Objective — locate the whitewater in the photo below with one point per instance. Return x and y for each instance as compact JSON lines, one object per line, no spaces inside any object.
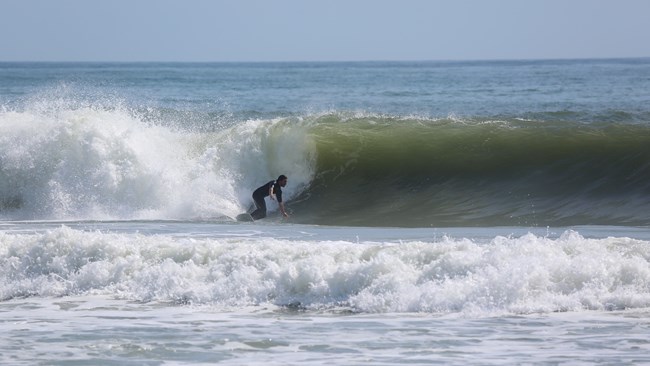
{"x":441,"y":212}
{"x":93,"y":163}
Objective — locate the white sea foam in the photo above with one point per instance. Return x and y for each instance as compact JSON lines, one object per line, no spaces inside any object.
{"x":89,"y":162}
{"x":527,"y":274}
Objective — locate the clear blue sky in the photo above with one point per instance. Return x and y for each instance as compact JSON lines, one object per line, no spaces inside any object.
{"x":326,"y":30}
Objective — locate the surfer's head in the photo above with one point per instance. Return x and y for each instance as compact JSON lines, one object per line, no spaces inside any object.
{"x":282,"y":180}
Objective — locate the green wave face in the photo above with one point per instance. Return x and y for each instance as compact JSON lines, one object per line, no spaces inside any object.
{"x":382,"y":171}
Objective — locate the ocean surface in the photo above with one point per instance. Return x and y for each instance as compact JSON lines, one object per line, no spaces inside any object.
{"x":492,"y":212}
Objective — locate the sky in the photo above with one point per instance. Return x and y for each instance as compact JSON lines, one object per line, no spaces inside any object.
{"x":325,"y":30}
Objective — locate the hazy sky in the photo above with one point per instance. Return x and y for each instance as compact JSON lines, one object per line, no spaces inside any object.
{"x":326,"y":30}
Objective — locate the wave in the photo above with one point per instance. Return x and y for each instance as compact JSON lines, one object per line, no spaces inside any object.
{"x":415,"y":172}
{"x":521,"y":275}
{"x":59,"y":161}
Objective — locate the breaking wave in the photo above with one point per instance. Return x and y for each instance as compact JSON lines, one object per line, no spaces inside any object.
{"x":94,"y":162}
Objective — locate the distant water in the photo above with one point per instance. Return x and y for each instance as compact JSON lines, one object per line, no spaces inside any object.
{"x":442,"y":212}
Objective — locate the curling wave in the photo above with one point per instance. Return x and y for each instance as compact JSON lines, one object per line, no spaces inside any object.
{"x":344,"y":169}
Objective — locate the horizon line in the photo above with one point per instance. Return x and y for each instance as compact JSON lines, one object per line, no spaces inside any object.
{"x":334,"y":61}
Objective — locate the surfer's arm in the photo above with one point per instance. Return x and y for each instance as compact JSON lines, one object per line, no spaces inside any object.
{"x":271,"y":194}
{"x":284,"y":212}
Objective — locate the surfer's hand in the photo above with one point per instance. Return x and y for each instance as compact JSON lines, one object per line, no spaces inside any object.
{"x":285,"y":214}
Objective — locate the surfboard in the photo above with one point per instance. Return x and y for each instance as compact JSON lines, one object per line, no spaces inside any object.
{"x":245,"y":217}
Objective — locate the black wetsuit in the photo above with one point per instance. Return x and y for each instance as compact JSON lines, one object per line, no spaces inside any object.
{"x":258,"y":197}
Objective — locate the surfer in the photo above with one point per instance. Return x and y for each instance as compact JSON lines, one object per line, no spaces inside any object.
{"x":272,"y":189}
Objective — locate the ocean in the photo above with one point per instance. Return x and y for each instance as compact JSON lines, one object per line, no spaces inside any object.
{"x":442,"y":212}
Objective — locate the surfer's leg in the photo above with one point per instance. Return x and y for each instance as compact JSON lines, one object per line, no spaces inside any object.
{"x":260,"y":213}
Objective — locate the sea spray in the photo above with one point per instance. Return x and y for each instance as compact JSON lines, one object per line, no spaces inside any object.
{"x":94,"y":163}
